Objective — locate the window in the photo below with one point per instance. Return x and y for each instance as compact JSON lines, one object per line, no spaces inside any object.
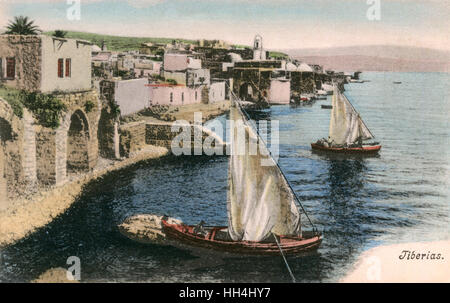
{"x":195,"y":96}
{"x":171,"y":97}
{"x":182,"y":97}
{"x":60,"y":68}
{"x":11,"y":68}
{"x":68,"y":68}
{"x":1,"y":68}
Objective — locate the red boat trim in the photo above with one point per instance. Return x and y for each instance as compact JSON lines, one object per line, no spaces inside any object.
{"x":364,"y":149}
{"x":291,"y":245}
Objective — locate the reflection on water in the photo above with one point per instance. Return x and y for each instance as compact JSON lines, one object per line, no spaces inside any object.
{"x":359,"y":202}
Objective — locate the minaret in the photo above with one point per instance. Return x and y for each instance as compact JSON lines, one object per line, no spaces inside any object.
{"x":258,"y":50}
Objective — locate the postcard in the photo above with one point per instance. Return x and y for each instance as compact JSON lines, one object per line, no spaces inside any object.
{"x":224,"y":141}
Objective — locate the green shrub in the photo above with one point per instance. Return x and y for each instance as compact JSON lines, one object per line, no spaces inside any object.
{"x":89,"y":106}
{"x":46,"y":108}
{"x":12,"y":96}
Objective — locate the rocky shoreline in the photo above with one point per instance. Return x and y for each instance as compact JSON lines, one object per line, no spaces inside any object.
{"x":26,"y":215}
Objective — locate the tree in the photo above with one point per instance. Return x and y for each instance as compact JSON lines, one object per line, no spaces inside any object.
{"x":22,"y":26}
{"x":60,"y":33}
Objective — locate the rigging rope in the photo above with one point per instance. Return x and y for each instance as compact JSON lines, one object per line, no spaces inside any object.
{"x":284,"y":258}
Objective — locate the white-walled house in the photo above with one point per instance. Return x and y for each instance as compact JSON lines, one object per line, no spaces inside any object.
{"x":45,"y":64}
{"x":217,"y":92}
{"x":280,"y":91}
{"x":175,"y":62}
{"x":131,"y":96}
{"x":166,"y":94}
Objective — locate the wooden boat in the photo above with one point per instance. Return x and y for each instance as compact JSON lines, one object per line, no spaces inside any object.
{"x":218,"y":239}
{"x":348,"y":132}
{"x":264,"y":216}
{"x":364,"y":149}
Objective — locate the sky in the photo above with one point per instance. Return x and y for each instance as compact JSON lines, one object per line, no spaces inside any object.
{"x":284,"y":24}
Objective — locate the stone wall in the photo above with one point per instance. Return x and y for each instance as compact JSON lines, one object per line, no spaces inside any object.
{"x":302,"y":83}
{"x":108,"y":134}
{"x":46,"y":156}
{"x":132,"y":138}
{"x":27,"y":51}
{"x":258,"y":78}
{"x":161,"y":134}
{"x":52,"y":167}
{"x":33,"y":156}
{"x":29,"y":151}
{"x":12,"y":177}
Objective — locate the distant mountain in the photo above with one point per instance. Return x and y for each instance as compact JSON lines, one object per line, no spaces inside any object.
{"x":376,"y":58}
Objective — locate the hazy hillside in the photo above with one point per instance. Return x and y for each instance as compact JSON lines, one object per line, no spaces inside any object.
{"x":117,"y":43}
{"x":376,"y":58}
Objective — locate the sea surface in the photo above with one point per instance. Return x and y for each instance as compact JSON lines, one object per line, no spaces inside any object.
{"x":402,"y":195}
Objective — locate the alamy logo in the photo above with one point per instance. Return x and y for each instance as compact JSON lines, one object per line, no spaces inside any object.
{"x":374,"y":11}
{"x":74,"y":10}
{"x":374,"y":269}
{"x":190,"y":139}
{"x":74,"y":271}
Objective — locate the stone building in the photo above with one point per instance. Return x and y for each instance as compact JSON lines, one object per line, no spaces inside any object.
{"x":45,"y":64}
{"x":252,"y":79}
{"x":31,"y":154}
{"x":190,"y":77}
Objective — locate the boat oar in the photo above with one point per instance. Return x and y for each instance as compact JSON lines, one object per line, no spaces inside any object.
{"x":284,"y":258}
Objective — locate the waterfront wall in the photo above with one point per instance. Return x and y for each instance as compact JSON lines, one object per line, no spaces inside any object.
{"x":135,"y":136}
{"x":26,"y":215}
{"x":33,"y":156}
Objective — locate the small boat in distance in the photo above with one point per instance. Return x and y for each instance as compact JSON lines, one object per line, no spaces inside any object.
{"x":264,"y":218}
{"x":326,"y":106}
{"x":397,"y":82}
{"x":347,"y":130}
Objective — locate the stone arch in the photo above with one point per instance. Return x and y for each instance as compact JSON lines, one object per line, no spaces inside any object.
{"x":78,"y":140}
{"x":247,"y":92}
{"x":108,"y":134}
{"x":5,"y":135}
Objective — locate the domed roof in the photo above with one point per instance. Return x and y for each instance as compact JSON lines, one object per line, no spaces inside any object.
{"x":235,"y":57}
{"x":303,"y":67}
{"x":96,"y":48}
{"x":291,"y":67}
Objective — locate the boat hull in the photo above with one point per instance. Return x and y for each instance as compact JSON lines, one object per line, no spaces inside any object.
{"x":183,"y":236}
{"x":354,"y":150}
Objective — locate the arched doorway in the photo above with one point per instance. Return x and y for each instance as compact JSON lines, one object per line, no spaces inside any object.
{"x":246,"y":92}
{"x":78,"y":143}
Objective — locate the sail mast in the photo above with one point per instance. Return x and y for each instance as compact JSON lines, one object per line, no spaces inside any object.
{"x":298,"y":203}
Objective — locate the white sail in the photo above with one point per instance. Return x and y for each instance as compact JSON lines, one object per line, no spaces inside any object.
{"x":260,"y":201}
{"x":346,"y":125}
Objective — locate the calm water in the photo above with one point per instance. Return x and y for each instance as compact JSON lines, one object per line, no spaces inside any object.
{"x":399,"y":196}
